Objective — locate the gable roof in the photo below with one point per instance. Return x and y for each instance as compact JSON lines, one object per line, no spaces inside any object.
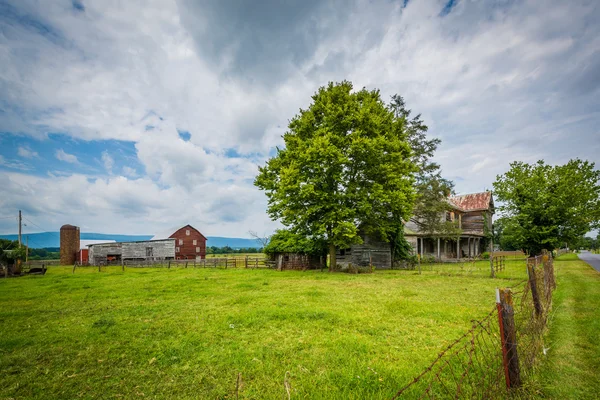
{"x":474,"y":201}
{"x":170,"y":232}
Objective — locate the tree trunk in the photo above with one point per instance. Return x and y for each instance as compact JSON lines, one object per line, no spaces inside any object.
{"x":332,"y":260}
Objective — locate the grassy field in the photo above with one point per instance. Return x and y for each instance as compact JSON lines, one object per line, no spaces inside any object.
{"x":187,"y":333}
{"x":573,"y":364}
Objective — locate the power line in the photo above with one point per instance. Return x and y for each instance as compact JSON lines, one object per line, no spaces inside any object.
{"x":37,"y":226}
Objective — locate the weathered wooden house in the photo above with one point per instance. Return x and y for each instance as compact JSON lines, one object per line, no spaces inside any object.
{"x":190,"y":244}
{"x":473,"y":214}
{"x":372,"y":251}
{"x":147,"y":250}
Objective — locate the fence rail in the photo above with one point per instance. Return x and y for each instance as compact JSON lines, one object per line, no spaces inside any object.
{"x":214,"y":262}
{"x":500,"y":350}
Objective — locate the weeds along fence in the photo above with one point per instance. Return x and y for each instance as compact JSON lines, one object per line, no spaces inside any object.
{"x":214,"y":262}
{"x":498,"y":353}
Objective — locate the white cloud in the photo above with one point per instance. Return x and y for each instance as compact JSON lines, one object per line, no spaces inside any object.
{"x":61,"y":155}
{"x":14,"y":164}
{"x":504,"y":82}
{"x":107,"y":161}
{"x":129,"y":172}
{"x":26,"y":152}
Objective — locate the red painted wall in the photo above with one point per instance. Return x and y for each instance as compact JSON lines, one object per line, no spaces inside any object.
{"x":185,"y":243}
{"x":82,"y":256}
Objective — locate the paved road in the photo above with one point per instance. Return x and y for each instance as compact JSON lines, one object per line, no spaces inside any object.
{"x":592,"y":259}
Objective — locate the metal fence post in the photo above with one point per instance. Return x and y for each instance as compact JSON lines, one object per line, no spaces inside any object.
{"x":508,"y":337}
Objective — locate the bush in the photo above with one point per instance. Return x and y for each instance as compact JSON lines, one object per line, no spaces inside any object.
{"x":485,"y":255}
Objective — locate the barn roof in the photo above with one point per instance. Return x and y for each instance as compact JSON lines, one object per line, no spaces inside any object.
{"x":474,"y":201}
{"x":83,"y":244}
{"x":166,"y":234}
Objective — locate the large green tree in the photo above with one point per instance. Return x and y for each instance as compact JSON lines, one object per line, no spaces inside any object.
{"x":346,"y":166}
{"x":546,"y":206}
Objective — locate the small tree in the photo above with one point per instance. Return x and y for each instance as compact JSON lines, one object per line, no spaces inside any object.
{"x":344,"y":165}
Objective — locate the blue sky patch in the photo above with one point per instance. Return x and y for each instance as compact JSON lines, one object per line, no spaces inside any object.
{"x":60,"y":154}
{"x":184,"y":135}
{"x":448,"y":7}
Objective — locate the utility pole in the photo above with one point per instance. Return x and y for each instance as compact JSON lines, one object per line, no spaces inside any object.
{"x":20,"y":220}
{"x":26,"y":248}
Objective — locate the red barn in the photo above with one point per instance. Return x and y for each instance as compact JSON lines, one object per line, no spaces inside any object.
{"x":190,"y":244}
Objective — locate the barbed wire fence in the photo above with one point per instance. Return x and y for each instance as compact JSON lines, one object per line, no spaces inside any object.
{"x":500,"y":350}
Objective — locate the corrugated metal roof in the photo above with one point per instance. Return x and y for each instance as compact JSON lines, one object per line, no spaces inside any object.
{"x":83,"y":244}
{"x":473,"y":201}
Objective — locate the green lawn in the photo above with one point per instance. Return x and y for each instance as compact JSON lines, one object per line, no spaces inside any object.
{"x":187,"y":333}
{"x":572,"y":369}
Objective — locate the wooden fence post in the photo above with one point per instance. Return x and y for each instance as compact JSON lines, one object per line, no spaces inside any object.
{"x":194,"y":263}
{"x":246,"y":262}
{"x":169,"y":265}
{"x":492,"y":258}
{"x":534,"y":289}
{"x":508,"y":337}
{"x":256,"y":263}
{"x":215,"y":262}
{"x":226,"y":262}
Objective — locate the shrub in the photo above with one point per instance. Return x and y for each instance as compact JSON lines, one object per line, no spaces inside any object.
{"x":485,"y":255}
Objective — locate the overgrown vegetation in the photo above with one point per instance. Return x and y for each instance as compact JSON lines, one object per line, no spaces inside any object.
{"x":285,"y":241}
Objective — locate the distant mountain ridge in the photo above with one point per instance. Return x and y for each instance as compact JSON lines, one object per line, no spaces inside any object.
{"x":52,"y":239}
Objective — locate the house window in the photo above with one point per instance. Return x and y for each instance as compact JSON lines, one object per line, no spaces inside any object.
{"x":149,"y":252}
{"x":187,"y":232}
{"x":195,"y":243}
{"x":180,"y":242}
{"x":197,"y":249}
{"x":176,"y":249}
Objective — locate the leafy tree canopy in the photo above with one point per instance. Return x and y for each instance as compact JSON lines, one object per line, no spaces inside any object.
{"x":285,"y":241}
{"x":545,"y":206}
{"x":346,"y":163}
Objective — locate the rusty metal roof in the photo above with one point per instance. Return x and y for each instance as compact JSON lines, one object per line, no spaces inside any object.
{"x":474,"y":201}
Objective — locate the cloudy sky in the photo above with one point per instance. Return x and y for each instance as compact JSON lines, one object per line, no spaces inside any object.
{"x":132,"y":116}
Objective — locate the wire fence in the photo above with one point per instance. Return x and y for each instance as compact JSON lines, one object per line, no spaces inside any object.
{"x":500,"y":350}
{"x":214,"y":262}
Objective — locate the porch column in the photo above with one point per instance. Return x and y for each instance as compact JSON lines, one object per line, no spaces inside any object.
{"x":439,"y":250}
{"x":477,"y":247}
{"x":421,"y":248}
{"x":469,"y":246}
{"x":458,"y":248}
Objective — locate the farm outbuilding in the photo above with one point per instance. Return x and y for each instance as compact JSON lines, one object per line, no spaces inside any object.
{"x":116,"y":253}
{"x":83,"y":255}
{"x":371,"y":252}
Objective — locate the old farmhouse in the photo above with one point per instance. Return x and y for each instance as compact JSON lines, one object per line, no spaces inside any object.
{"x":472,"y":213}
